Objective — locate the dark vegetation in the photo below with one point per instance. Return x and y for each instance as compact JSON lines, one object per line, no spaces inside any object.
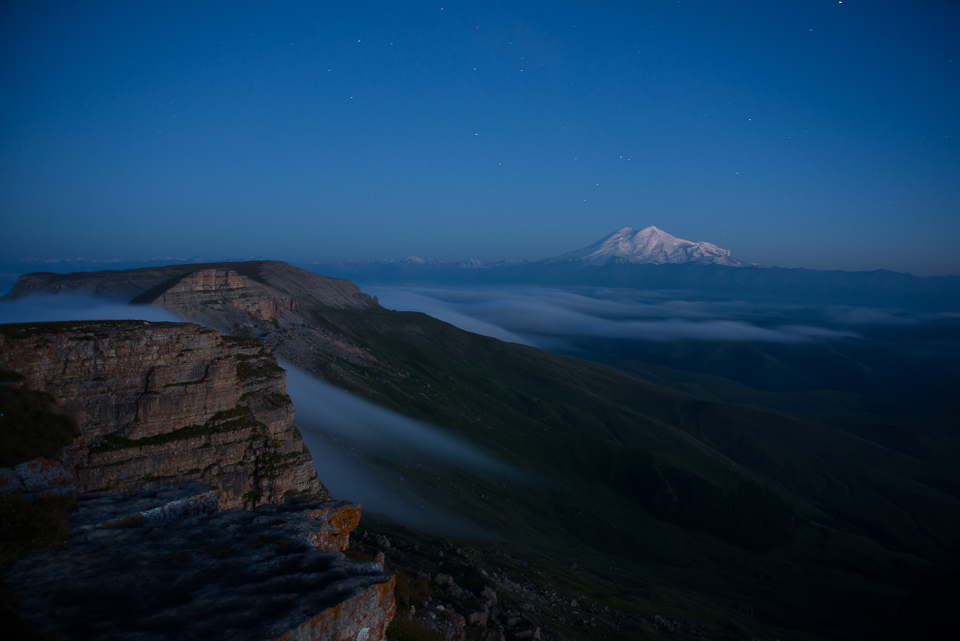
{"x":750,"y":515}
{"x":237,"y":418}
{"x":680,"y":489}
{"x":29,"y":427}
{"x":27,"y":526}
{"x":26,"y":330}
{"x":761,"y":505}
{"x":255,"y":367}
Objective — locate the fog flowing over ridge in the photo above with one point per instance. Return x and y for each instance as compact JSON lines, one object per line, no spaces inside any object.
{"x":380,"y":431}
{"x":351,"y":439}
{"x":355,"y":444}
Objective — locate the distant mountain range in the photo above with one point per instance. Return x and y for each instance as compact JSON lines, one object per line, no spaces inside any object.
{"x":652,"y":259}
{"x":648,"y":259}
{"x":648,"y":246}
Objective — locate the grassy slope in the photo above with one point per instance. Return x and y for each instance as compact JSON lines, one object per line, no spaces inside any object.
{"x":870,"y":520}
{"x":875,"y":509}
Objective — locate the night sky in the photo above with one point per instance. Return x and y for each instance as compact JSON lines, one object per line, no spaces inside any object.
{"x":814,"y":134}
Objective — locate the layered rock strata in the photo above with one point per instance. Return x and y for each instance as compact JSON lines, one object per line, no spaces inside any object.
{"x":160,"y":404}
{"x":281,"y":303}
{"x":232,"y":574}
{"x":293,"y":309}
{"x":145,"y":285}
{"x":228,"y":294}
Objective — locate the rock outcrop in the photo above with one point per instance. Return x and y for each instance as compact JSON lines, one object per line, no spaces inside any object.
{"x":231,"y":295}
{"x":144,"y":286}
{"x":180,"y":428}
{"x":160,"y":404}
{"x":165,"y":564}
{"x":294,"y":310}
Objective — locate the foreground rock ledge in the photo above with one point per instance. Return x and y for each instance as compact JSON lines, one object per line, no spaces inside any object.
{"x":228,"y":575}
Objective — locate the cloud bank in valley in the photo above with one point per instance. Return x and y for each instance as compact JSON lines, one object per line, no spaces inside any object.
{"x":549,"y":317}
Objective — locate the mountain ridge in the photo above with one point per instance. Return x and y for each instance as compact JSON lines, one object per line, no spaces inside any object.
{"x":621,"y":457}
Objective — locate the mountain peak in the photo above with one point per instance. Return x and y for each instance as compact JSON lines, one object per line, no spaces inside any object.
{"x":650,"y":245}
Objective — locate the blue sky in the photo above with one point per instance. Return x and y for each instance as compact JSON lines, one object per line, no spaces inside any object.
{"x":815,"y":134}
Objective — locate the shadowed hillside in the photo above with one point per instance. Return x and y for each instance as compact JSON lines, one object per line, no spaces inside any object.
{"x":744,"y":518}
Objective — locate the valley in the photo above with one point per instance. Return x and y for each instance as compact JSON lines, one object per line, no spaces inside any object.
{"x":752,"y":511}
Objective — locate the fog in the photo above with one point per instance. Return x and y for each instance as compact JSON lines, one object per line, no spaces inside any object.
{"x":549,"y":317}
{"x":356,"y":445}
{"x":379,"y":458}
{"x":358,"y":448}
{"x":77,"y":307}
{"x":379,"y":431}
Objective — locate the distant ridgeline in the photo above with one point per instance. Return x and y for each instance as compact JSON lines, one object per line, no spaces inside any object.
{"x":652,"y":259}
{"x":775,"y":284}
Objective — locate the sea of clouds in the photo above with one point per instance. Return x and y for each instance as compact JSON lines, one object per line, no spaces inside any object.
{"x":550,"y":317}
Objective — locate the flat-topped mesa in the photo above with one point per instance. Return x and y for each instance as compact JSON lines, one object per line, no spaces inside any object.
{"x":147,"y":284}
{"x":227,"y":294}
{"x":297,"y":311}
{"x":159,"y":404}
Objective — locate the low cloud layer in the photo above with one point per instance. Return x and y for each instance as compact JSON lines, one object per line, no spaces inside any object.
{"x":361,"y":450}
{"x":546,"y":316}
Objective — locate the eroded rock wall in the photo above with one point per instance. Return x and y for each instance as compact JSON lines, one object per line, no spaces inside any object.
{"x":159,"y":404}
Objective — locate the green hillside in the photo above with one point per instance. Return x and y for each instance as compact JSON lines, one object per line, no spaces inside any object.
{"x":701,"y":496}
{"x":786,"y":508}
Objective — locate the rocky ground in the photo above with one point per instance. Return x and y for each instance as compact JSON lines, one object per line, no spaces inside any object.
{"x":457,"y":590}
{"x":162,"y":564}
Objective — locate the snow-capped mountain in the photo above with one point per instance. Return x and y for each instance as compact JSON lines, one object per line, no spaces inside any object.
{"x":649,"y":245}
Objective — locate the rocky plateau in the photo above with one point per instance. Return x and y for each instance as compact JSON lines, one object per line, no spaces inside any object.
{"x":286,"y":306}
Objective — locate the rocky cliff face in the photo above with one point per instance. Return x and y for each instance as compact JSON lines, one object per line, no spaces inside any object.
{"x":164,"y":403}
{"x":147,"y":284}
{"x":232,"y":295}
{"x":288,"y":306}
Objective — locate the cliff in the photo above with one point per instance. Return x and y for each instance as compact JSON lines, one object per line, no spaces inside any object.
{"x":177,"y":425}
{"x":296,"y":311}
{"x":159,"y":404}
{"x":146,"y":284}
